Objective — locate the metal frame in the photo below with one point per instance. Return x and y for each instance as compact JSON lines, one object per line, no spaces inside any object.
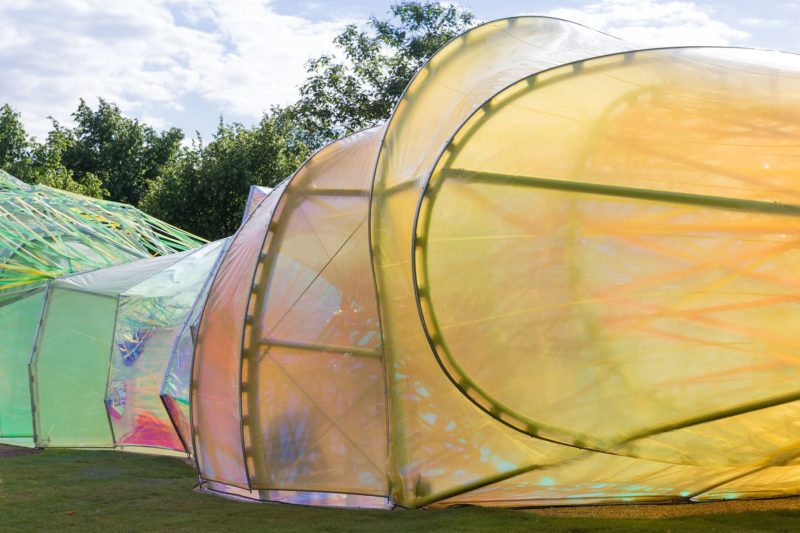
{"x":395,"y":449}
{"x":261,"y":281}
{"x":34,"y":360}
{"x":419,"y":243}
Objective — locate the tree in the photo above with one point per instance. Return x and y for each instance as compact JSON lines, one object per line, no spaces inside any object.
{"x":346,"y":94}
{"x":48,"y":168}
{"x":123,"y":153}
{"x":15,"y":144}
{"x":205,"y":189}
{"x":35,"y":163}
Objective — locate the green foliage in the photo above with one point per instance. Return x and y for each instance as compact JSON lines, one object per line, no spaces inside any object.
{"x":15,"y":144}
{"x":123,"y":153}
{"x":205,"y":189}
{"x":40,"y":164}
{"x":343,"y":95}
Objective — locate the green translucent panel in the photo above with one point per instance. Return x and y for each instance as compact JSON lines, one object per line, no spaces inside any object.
{"x":47,"y":233}
{"x":19,"y":315}
{"x":70,"y":369}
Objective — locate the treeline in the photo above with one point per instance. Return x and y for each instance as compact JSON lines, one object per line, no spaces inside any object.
{"x":202,"y":186}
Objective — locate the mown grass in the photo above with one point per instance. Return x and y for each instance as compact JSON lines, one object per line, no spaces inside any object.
{"x":107,"y":491}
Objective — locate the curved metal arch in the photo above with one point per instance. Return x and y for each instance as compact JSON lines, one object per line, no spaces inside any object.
{"x":193,"y":403}
{"x":261,"y":275}
{"x":279,"y":190}
{"x":484,"y":401}
{"x":459,"y":40}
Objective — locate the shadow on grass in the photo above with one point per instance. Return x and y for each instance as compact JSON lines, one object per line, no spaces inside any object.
{"x":111,"y":491}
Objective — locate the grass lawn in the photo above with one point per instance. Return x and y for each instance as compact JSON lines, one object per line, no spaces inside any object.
{"x":111,"y":491}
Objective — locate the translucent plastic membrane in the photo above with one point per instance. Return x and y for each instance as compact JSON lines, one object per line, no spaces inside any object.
{"x":597,"y":478}
{"x":151,"y":314}
{"x":175,"y":390}
{"x":216,"y":415}
{"x":46,"y":233}
{"x":637,"y":234}
{"x":313,"y":393}
{"x":761,"y":482}
{"x":175,"y":387}
{"x":321,"y":499}
{"x":586,"y":294}
{"x":254,"y":197}
{"x":70,"y":362}
{"x":19,"y":317}
{"x":428,"y":415}
{"x":97,"y":374}
{"x":70,"y":368}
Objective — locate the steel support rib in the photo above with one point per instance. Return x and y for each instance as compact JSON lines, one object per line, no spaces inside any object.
{"x":326,"y":348}
{"x":312,"y":191}
{"x":700,"y":200}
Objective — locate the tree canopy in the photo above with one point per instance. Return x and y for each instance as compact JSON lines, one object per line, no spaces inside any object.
{"x":360,"y":88}
{"x":202,"y":187}
{"x":205,"y":187}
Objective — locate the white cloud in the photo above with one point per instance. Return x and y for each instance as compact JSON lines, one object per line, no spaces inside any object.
{"x":656,"y":23}
{"x":153,"y":57}
{"x":760,"y":22}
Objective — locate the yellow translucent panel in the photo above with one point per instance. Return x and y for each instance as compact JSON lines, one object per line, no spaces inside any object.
{"x":762,"y":482}
{"x":459,"y":78}
{"x":598,"y":478}
{"x":670,"y":119}
{"x":637,"y":233}
{"x":313,"y":380}
{"x":216,"y":392}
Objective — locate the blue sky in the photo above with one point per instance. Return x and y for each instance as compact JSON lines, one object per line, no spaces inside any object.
{"x":186,"y":62}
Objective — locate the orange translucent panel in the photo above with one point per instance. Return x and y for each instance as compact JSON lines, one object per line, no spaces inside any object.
{"x":313,"y":388}
{"x":320,"y":421}
{"x":216,"y":415}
